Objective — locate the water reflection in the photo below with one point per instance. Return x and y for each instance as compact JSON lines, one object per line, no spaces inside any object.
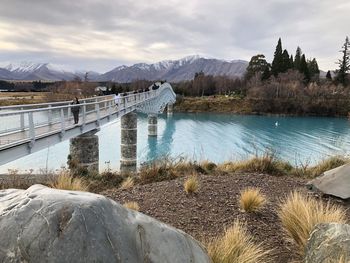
{"x":217,"y":137}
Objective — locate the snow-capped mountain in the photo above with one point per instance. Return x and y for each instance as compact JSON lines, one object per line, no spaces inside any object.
{"x":170,"y":70}
{"x":176,"y":70}
{"x":35,"y":71}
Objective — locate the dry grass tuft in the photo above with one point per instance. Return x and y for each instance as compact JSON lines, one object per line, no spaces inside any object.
{"x":326,"y":165}
{"x":236,"y":246}
{"x":132,"y":205}
{"x":267,"y":163}
{"x":127,"y":183}
{"x":65,"y":181}
{"x":191,"y":184}
{"x":251,"y":200}
{"x":299,"y":215}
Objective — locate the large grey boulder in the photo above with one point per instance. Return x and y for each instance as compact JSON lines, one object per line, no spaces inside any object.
{"x":328,"y":242}
{"x":335,"y":182}
{"x":41,"y":224}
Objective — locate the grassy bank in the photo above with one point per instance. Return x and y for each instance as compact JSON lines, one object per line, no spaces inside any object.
{"x":260,"y":106}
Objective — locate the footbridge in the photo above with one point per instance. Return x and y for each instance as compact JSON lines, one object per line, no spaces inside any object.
{"x":25,"y":129}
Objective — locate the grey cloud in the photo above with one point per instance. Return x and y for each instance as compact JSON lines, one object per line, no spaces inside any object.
{"x":225,"y":29}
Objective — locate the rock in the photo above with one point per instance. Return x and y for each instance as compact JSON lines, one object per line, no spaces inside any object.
{"x":41,"y":224}
{"x":335,"y":182}
{"x":328,"y":242}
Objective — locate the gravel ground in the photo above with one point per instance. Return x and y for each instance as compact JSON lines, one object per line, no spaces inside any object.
{"x":214,"y":207}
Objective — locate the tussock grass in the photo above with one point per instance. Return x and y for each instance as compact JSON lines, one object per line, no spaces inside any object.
{"x":236,"y":246}
{"x":191,"y":185}
{"x":325,"y":165}
{"x":299,"y":214}
{"x":127,"y":183}
{"x":251,"y":200}
{"x":65,"y":181}
{"x":267,"y":163}
{"x":132,"y":205}
{"x":207,"y":165}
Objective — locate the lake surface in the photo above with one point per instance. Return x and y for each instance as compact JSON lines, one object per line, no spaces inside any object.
{"x":215,"y":137}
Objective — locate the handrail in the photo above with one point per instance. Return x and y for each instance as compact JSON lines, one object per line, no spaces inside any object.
{"x":48,"y":103}
{"x":10,"y":113}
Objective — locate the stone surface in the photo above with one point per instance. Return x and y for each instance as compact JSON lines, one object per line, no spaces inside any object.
{"x":334,"y":182}
{"x":128,"y":144}
{"x":152,"y":125}
{"x":48,"y":225}
{"x":84,"y":149}
{"x":328,"y":241}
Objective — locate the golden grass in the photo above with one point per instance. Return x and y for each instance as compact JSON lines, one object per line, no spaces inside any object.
{"x":267,"y":163}
{"x":132,"y":205}
{"x":191,"y":184}
{"x":299,"y":214}
{"x":65,"y":181}
{"x":236,"y":246}
{"x":251,"y":200}
{"x":127,"y":183}
{"x":325,"y":165}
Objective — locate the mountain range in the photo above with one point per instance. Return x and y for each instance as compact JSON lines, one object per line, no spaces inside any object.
{"x":170,"y":70}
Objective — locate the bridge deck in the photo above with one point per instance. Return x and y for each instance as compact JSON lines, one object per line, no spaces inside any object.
{"x":28,"y":128}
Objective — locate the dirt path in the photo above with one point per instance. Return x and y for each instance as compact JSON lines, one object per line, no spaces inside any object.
{"x":215,"y":206}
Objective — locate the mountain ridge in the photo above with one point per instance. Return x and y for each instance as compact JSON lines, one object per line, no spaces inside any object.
{"x":170,"y":70}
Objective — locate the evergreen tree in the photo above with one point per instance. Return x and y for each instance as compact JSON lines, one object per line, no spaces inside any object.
{"x":297,"y":59}
{"x":257,"y":64}
{"x":344,"y":63}
{"x":329,"y":75}
{"x":267,"y":73}
{"x":313,"y":68}
{"x":291,"y":61}
{"x":278,"y":59}
{"x":304,"y":69}
{"x":285,"y":61}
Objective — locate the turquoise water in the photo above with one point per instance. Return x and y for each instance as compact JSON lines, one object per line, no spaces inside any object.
{"x":216,"y":137}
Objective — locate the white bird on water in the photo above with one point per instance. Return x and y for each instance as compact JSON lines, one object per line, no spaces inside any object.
{"x":276,"y":123}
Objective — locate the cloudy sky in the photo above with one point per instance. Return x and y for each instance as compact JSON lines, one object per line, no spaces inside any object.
{"x":102,"y":34}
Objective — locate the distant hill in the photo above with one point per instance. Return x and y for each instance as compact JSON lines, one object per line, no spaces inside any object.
{"x":170,"y":70}
{"x":176,"y":70}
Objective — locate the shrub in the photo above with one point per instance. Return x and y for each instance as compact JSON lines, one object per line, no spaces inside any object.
{"x":132,"y":205}
{"x":267,"y":163}
{"x":191,"y":185}
{"x":127,"y":183}
{"x":326,"y":165}
{"x":251,"y":200}
{"x":299,"y":214}
{"x":65,"y":181}
{"x":159,"y":170}
{"x":236,"y":246}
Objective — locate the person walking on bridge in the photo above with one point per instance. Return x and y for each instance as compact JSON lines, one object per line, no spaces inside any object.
{"x":75,"y":110}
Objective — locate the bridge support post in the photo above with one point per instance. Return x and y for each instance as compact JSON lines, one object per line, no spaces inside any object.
{"x":84,"y":150}
{"x":128,"y":145}
{"x":170,"y":108}
{"x":152,"y":125}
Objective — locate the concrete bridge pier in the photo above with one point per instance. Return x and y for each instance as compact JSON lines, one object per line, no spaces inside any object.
{"x":170,"y":109}
{"x":128,"y":144}
{"x":84,"y":150}
{"x":152,"y":125}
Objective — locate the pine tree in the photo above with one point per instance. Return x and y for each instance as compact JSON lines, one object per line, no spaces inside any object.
{"x":257,"y":64}
{"x":314,"y":71}
{"x":285,"y":61}
{"x":291,"y":61}
{"x":278,"y":59}
{"x":344,"y":63}
{"x":267,"y":73}
{"x":304,"y":69}
{"x":297,"y":59}
{"x":329,"y":75}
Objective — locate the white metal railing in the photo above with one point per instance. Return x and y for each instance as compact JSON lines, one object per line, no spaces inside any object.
{"x":26,"y":123}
